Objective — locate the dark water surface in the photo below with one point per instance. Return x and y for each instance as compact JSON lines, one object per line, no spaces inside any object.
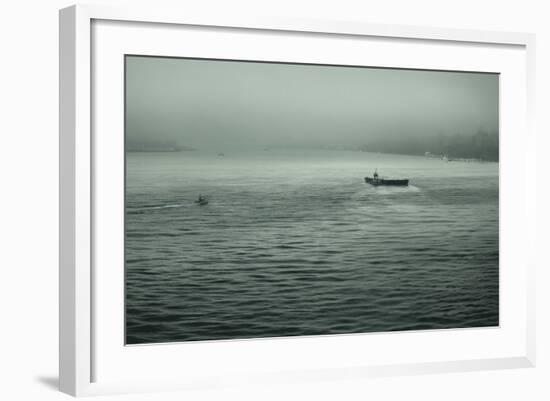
{"x":295,"y":243}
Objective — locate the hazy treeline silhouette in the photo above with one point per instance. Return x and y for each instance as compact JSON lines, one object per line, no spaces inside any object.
{"x":481,"y":145}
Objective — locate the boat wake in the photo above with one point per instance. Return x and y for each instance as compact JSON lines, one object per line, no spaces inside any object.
{"x":389,"y":190}
{"x":369,"y":192}
{"x":146,"y":209}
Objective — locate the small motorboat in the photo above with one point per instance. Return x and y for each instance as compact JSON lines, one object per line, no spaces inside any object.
{"x":202,"y":201}
{"x":376,"y":180}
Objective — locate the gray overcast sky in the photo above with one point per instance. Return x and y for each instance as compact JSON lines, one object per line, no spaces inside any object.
{"x":219,"y":104}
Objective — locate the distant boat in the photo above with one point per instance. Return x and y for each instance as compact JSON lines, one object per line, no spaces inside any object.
{"x":221,"y":154}
{"x":375,"y":180}
{"x":202,"y":201}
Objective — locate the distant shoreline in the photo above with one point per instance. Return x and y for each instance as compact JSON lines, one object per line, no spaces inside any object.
{"x":168,"y":149}
{"x":447,"y":159}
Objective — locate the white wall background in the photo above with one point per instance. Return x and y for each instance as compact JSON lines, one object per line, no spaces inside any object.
{"x":29,"y":185}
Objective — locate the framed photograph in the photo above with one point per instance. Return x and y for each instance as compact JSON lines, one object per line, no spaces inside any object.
{"x":277,"y":200}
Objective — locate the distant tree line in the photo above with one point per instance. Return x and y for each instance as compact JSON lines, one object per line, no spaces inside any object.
{"x":481,"y":145}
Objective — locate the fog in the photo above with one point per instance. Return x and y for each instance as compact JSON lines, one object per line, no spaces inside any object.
{"x":221,"y":105}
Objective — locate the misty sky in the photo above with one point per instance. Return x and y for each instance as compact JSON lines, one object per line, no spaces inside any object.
{"x":223,"y":104}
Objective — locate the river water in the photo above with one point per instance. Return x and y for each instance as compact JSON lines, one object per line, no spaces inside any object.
{"x":296,"y":243}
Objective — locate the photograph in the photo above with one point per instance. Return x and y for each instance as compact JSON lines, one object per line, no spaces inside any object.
{"x":274,"y":199}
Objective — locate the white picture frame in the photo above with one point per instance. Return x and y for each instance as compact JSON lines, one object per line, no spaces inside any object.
{"x":82,"y":343}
